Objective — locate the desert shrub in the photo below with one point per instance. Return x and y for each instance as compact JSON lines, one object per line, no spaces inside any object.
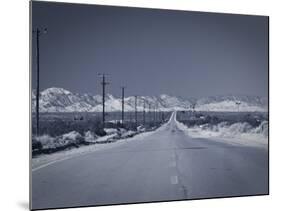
{"x":214,"y":118}
{"x":98,"y":129}
{"x":57,"y":126}
{"x":48,"y":144}
{"x":252,"y":120}
{"x":119,"y":125}
{"x":36,"y":145}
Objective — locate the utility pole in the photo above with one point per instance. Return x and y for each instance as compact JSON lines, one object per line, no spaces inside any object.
{"x":38,"y":33}
{"x":157,"y":115}
{"x":149,"y":112}
{"x":143,"y":112}
{"x":136,"y":112}
{"x":154,"y":114}
{"x":193,"y":105}
{"x":238,"y":104}
{"x":103,"y":83}
{"x":123,"y":91}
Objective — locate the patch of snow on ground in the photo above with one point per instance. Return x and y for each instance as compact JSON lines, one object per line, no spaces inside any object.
{"x":90,"y":136}
{"x":128,"y":133}
{"x":71,"y":137}
{"x":46,"y":141}
{"x":110,"y":131}
{"x":240,"y":133}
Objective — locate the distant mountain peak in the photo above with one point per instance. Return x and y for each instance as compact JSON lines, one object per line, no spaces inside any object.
{"x":55,"y":90}
{"x":56,"y":99}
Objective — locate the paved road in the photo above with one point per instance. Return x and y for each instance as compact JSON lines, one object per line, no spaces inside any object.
{"x":166,"y":165}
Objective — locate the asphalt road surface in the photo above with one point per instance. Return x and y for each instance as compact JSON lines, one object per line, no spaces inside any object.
{"x":165,"y":165}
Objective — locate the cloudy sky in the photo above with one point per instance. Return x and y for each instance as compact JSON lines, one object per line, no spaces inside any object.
{"x":188,"y":54}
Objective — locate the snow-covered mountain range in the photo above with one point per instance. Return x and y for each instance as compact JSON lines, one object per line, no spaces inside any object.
{"x":61,"y":100}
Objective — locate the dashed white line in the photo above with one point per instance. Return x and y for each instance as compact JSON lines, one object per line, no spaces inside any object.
{"x":174,"y":180}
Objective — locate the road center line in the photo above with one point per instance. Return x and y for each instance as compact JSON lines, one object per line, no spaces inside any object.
{"x":174,"y":180}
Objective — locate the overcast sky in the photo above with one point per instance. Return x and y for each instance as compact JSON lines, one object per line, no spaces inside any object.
{"x":151,"y":52}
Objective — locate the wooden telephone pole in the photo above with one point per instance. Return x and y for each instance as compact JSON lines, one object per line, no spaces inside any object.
{"x":123,"y":94}
{"x":136,"y":111}
{"x":103,"y":83}
{"x":143,"y":112}
{"x":38,"y":33}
